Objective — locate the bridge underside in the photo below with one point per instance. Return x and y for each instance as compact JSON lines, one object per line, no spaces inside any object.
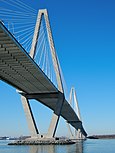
{"x":18,"y":69}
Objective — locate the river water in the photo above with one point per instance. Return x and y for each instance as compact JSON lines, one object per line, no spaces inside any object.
{"x":88,"y":146}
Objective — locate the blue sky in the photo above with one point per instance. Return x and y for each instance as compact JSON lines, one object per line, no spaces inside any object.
{"x":84,"y":36}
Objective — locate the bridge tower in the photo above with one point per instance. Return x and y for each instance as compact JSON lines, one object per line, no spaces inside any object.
{"x":25,"y":102}
{"x":77,"y":133}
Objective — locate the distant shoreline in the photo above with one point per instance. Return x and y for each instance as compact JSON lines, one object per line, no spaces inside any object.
{"x":102,"y":136}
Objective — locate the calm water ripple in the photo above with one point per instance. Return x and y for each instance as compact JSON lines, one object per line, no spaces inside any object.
{"x":88,"y":146}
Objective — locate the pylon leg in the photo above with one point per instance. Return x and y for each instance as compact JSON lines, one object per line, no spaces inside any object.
{"x":29,"y":117}
{"x":56,"y":116}
{"x":70,"y":131}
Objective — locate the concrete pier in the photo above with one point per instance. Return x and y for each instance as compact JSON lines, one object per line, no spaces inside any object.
{"x":43,"y":141}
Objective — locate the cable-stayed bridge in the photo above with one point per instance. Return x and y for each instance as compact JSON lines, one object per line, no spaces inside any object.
{"x":20,"y":69}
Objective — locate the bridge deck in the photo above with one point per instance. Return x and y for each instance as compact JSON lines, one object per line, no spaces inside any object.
{"x":18,"y":69}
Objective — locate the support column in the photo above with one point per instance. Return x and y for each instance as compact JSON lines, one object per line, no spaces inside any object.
{"x":77,"y":133}
{"x":55,"y":117}
{"x":57,"y":112}
{"x":76,"y":103}
{"x":29,"y":117}
{"x":70,"y":131}
{"x":36,"y":34}
{"x":53,"y":53}
{"x":68,"y":125}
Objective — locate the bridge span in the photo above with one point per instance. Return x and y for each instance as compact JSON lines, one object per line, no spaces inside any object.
{"x":19,"y":69}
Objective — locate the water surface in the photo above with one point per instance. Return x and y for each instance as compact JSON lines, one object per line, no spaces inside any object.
{"x":88,"y":146}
